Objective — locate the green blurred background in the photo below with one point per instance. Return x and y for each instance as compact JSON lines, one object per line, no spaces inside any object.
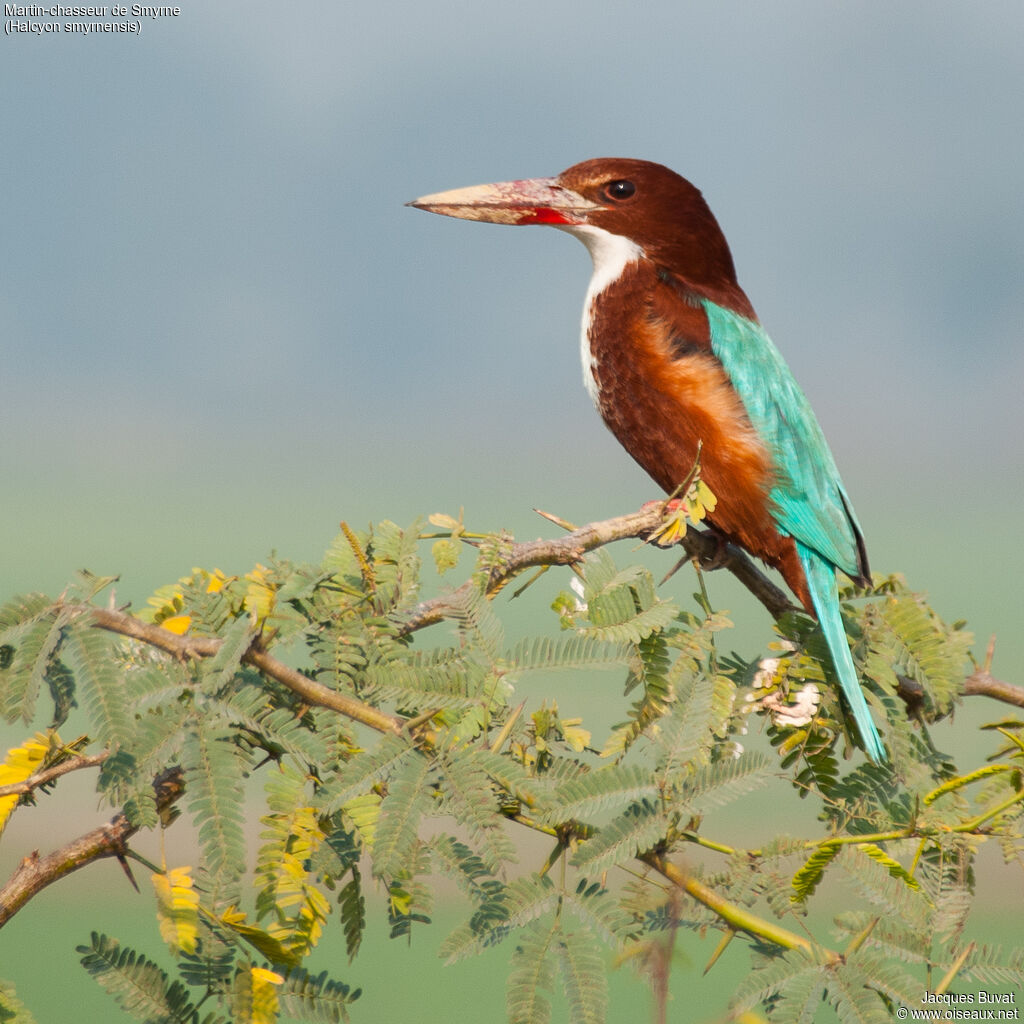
{"x":221,"y":332}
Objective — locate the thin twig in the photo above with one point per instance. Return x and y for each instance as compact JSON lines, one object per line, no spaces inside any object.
{"x":571,"y":548}
{"x":41,"y":778}
{"x":35,"y":873}
{"x":983,"y":683}
{"x":735,"y":916}
{"x":204,"y":647}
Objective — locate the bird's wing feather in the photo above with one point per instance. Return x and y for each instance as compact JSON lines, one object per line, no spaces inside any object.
{"x":808,"y":499}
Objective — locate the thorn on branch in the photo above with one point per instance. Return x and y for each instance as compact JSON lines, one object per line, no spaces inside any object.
{"x":557,"y":520}
{"x":35,"y":873}
{"x":126,"y":867}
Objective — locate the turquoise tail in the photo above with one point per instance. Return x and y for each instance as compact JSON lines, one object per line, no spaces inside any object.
{"x":821,"y":581}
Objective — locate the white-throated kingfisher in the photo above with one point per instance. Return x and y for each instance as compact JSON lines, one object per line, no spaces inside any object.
{"x":678,"y":364}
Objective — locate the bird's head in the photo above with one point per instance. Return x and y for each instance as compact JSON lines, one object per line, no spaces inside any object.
{"x":661,"y":213}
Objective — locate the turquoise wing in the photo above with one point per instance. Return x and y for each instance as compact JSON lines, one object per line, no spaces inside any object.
{"x":809,"y":501}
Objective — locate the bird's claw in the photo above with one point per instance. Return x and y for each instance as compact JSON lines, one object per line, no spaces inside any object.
{"x":719,"y":556}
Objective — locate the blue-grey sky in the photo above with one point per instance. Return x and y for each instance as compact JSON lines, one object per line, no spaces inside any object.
{"x":222,"y":331}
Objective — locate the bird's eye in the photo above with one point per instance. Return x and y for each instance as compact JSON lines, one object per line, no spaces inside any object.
{"x":619,"y":190}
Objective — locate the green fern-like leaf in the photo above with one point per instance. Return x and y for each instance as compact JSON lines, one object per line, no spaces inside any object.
{"x":641,"y":827}
{"x":852,"y":998}
{"x":589,"y":795}
{"x":622,"y":605}
{"x":820,"y":772}
{"x":532,"y":977}
{"x":87,"y":652}
{"x":947,"y":863}
{"x":479,"y":627}
{"x":718,"y":784}
{"x":891,"y":894}
{"x":546,"y":654}
{"x":400,"y":815}
{"x":684,"y":737}
{"x":486,"y":891}
{"x":276,"y":729}
{"x":600,"y":912}
{"x":126,"y":777}
{"x":959,"y":781}
{"x":906,"y":636}
{"x":316,"y":998}
{"x":605,"y":584}
{"x":467,"y":795}
{"x":618,"y":625}
{"x":215,"y":770}
{"x":30,"y":634}
{"x":892,"y":938}
{"x":521,"y":902}
{"x":894,"y":867}
{"x":886,"y":978}
{"x":339,"y":852}
{"x":410,"y":899}
{"x":792,"y":968}
{"x":795,"y":984}
{"x":286,"y":894}
{"x":651,"y":669}
{"x":529,"y":897}
{"x":396,"y":563}
{"x":806,"y":880}
{"x":685,"y":696}
{"x":219,"y":671}
{"x":213,"y":962}
{"x":442,"y":678}
{"x":339,"y":653}
{"x":362,"y":815}
{"x":124,"y":786}
{"x":953,"y":904}
{"x":137,"y":984}
{"x":364,"y":771}
{"x":991,"y":965}
{"x":584,"y":978}
{"x":506,"y":772}
{"x":800,"y":998}
{"x":352,"y":906}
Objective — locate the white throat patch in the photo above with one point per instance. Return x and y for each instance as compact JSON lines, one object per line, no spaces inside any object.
{"x":611,"y":255}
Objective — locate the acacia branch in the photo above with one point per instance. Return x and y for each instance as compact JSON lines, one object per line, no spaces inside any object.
{"x":35,"y":873}
{"x":184,"y":647}
{"x":982,"y":682}
{"x":41,"y":778}
{"x":571,"y":548}
{"x":735,"y":916}
{"x":701,"y":545}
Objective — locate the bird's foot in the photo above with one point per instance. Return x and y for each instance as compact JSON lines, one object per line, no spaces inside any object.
{"x":668,"y":504}
{"x":717,"y":558}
